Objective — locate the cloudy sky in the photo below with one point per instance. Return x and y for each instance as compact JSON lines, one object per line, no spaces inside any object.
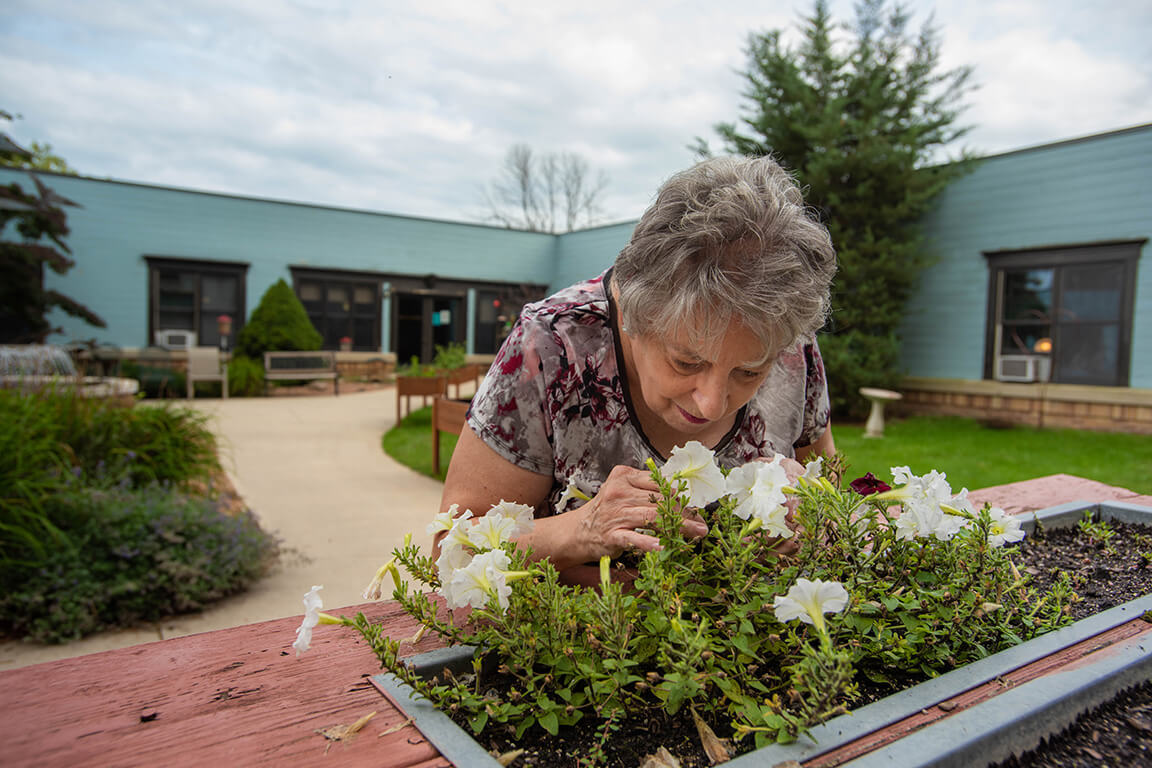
{"x":410,"y":107}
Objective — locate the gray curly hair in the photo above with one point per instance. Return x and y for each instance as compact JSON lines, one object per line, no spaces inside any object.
{"x":727,"y":238}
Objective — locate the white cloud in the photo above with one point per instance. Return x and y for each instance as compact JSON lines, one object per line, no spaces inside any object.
{"x":411,"y":109}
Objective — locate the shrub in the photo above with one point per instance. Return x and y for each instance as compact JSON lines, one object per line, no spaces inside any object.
{"x":245,"y":377}
{"x":279,"y":322}
{"x":135,"y":556}
{"x":450,"y":357}
{"x":155,"y":381}
{"x":50,"y":442}
{"x":853,"y":360}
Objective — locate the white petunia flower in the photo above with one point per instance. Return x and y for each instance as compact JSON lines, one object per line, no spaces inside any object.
{"x":810,"y":600}
{"x":312,"y":606}
{"x":484,"y":578}
{"x":757,"y":488}
{"x":922,"y":499}
{"x":444,"y":520}
{"x":522,"y":514}
{"x":455,"y":549}
{"x":492,"y":530}
{"x":813,"y":469}
{"x":1005,"y":528}
{"x":571,"y":492}
{"x":696,"y":465}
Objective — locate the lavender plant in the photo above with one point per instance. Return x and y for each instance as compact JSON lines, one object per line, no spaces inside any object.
{"x":732,"y":627}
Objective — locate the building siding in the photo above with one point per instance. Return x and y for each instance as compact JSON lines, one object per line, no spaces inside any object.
{"x":1079,"y":192}
{"x":1071,"y":193}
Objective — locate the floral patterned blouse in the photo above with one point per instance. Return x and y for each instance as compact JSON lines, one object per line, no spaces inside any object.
{"x":555,"y":400}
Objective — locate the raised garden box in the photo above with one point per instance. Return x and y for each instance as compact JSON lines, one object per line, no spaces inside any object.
{"x":973,"y":716}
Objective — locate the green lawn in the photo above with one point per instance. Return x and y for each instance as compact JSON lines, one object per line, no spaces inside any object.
{"x":410,"y":443}
{"x":972,"y":455}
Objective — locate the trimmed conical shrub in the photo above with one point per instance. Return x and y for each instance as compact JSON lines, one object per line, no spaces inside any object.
{"x":279,"y":322}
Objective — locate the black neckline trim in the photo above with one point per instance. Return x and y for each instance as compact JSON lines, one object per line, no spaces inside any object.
{"x":622,"y":371}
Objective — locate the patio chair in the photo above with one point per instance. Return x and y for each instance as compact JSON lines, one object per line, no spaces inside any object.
{"x":204,"y":364}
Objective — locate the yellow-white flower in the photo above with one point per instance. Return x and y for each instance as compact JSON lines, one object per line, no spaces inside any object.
{"x":444,"y":520}
{"x":758,"y":488}
{"x":696,"y":465}
{"x":571,"y":492}
{"x":485,"y":577}
{"x":810,"y":600}
{"x":1005,"y":528}
{"x":522,"y":515}
{"x":492,"y":530}
{"x":813,"y":469}
{"x":456,"y":548}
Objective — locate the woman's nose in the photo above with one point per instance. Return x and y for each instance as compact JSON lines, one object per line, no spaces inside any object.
{"x":711,"y":397}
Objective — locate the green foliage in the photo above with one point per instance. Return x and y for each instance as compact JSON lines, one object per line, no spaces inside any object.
{"x":451,"y":357}
{"x":108,"y":516}
{"x":410,"y":443}
{"x":156,"y":381}
{"x":278,"y":323}
{"x":49,"y":441}
{"x":857,"y":359}
{"x":135,"y":555}
{"x":39,"y":221}
{"x":859,"y":122}
{"x":696,"y":632}
{"x":245,"y":377}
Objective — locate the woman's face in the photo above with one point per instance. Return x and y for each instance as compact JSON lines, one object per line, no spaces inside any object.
{"x":692,"y":387}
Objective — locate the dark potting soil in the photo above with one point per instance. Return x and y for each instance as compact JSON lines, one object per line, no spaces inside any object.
{"x":1105,"y":573}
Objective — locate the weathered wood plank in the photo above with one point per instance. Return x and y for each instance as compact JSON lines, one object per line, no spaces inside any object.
{"x":238,"y":696}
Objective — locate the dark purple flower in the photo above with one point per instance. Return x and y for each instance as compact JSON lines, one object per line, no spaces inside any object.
{"x":868,"y":485}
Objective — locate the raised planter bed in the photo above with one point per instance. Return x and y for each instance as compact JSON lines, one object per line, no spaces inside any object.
{"x":973,"y":716}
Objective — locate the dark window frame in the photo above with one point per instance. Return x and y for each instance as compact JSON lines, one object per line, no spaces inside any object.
{"x":1125,"y":253}
{"x":200,"y":268}
{"x":350,"y":279}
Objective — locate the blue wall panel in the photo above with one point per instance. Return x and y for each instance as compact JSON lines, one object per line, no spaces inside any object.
{"x":119,"y":223}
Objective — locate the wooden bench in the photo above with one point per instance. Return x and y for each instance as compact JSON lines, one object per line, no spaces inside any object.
{"x":447,"y":416}
{"x":417,"y":386}
{"x":299,"y":366}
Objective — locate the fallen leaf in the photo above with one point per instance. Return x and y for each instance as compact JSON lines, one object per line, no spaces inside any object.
{"x":662,"y":759}
{"x":509,"y":757}
{"x":714,"y":747}
{"x":788,"y":764}
{"x":344,"y":733}
{"x":395,"y":728}
{"x":947,"y":706}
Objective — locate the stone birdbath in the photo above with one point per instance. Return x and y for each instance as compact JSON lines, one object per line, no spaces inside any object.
{"x":874,"y":427}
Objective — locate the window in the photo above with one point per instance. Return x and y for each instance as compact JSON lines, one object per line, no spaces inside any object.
{"x":188,"y":295}
{"x":1062,"y":315}
{"x":341,"y":305}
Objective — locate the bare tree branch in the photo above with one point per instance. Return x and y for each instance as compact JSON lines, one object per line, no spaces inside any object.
{"x":543,"y":193}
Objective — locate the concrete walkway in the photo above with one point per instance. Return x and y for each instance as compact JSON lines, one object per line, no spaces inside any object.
{"x":313,"y":471}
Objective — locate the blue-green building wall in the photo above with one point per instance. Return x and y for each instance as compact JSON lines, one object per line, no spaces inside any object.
{"x":1071,"y":193}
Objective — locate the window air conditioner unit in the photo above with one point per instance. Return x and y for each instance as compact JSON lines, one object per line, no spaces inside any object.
{"x":1022,"y":368}
{"x":175,"y":339}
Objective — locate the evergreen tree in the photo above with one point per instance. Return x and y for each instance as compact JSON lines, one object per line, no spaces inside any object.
{"x":35,"y":240}
{"x":860,"y":122}
{"x":279,"y":322}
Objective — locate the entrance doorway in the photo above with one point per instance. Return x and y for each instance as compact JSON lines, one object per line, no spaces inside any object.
{"x":425,"y":321}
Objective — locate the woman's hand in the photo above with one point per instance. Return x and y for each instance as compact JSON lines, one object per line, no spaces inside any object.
{"x":607,"y":524}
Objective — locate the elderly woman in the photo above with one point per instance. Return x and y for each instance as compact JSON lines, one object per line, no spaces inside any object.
{"x":703,"y":329}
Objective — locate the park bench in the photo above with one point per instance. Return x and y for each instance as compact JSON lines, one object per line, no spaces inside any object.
{"x":301,"y":366}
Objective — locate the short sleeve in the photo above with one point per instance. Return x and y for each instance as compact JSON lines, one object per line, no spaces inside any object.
{"x":509,"y":411}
